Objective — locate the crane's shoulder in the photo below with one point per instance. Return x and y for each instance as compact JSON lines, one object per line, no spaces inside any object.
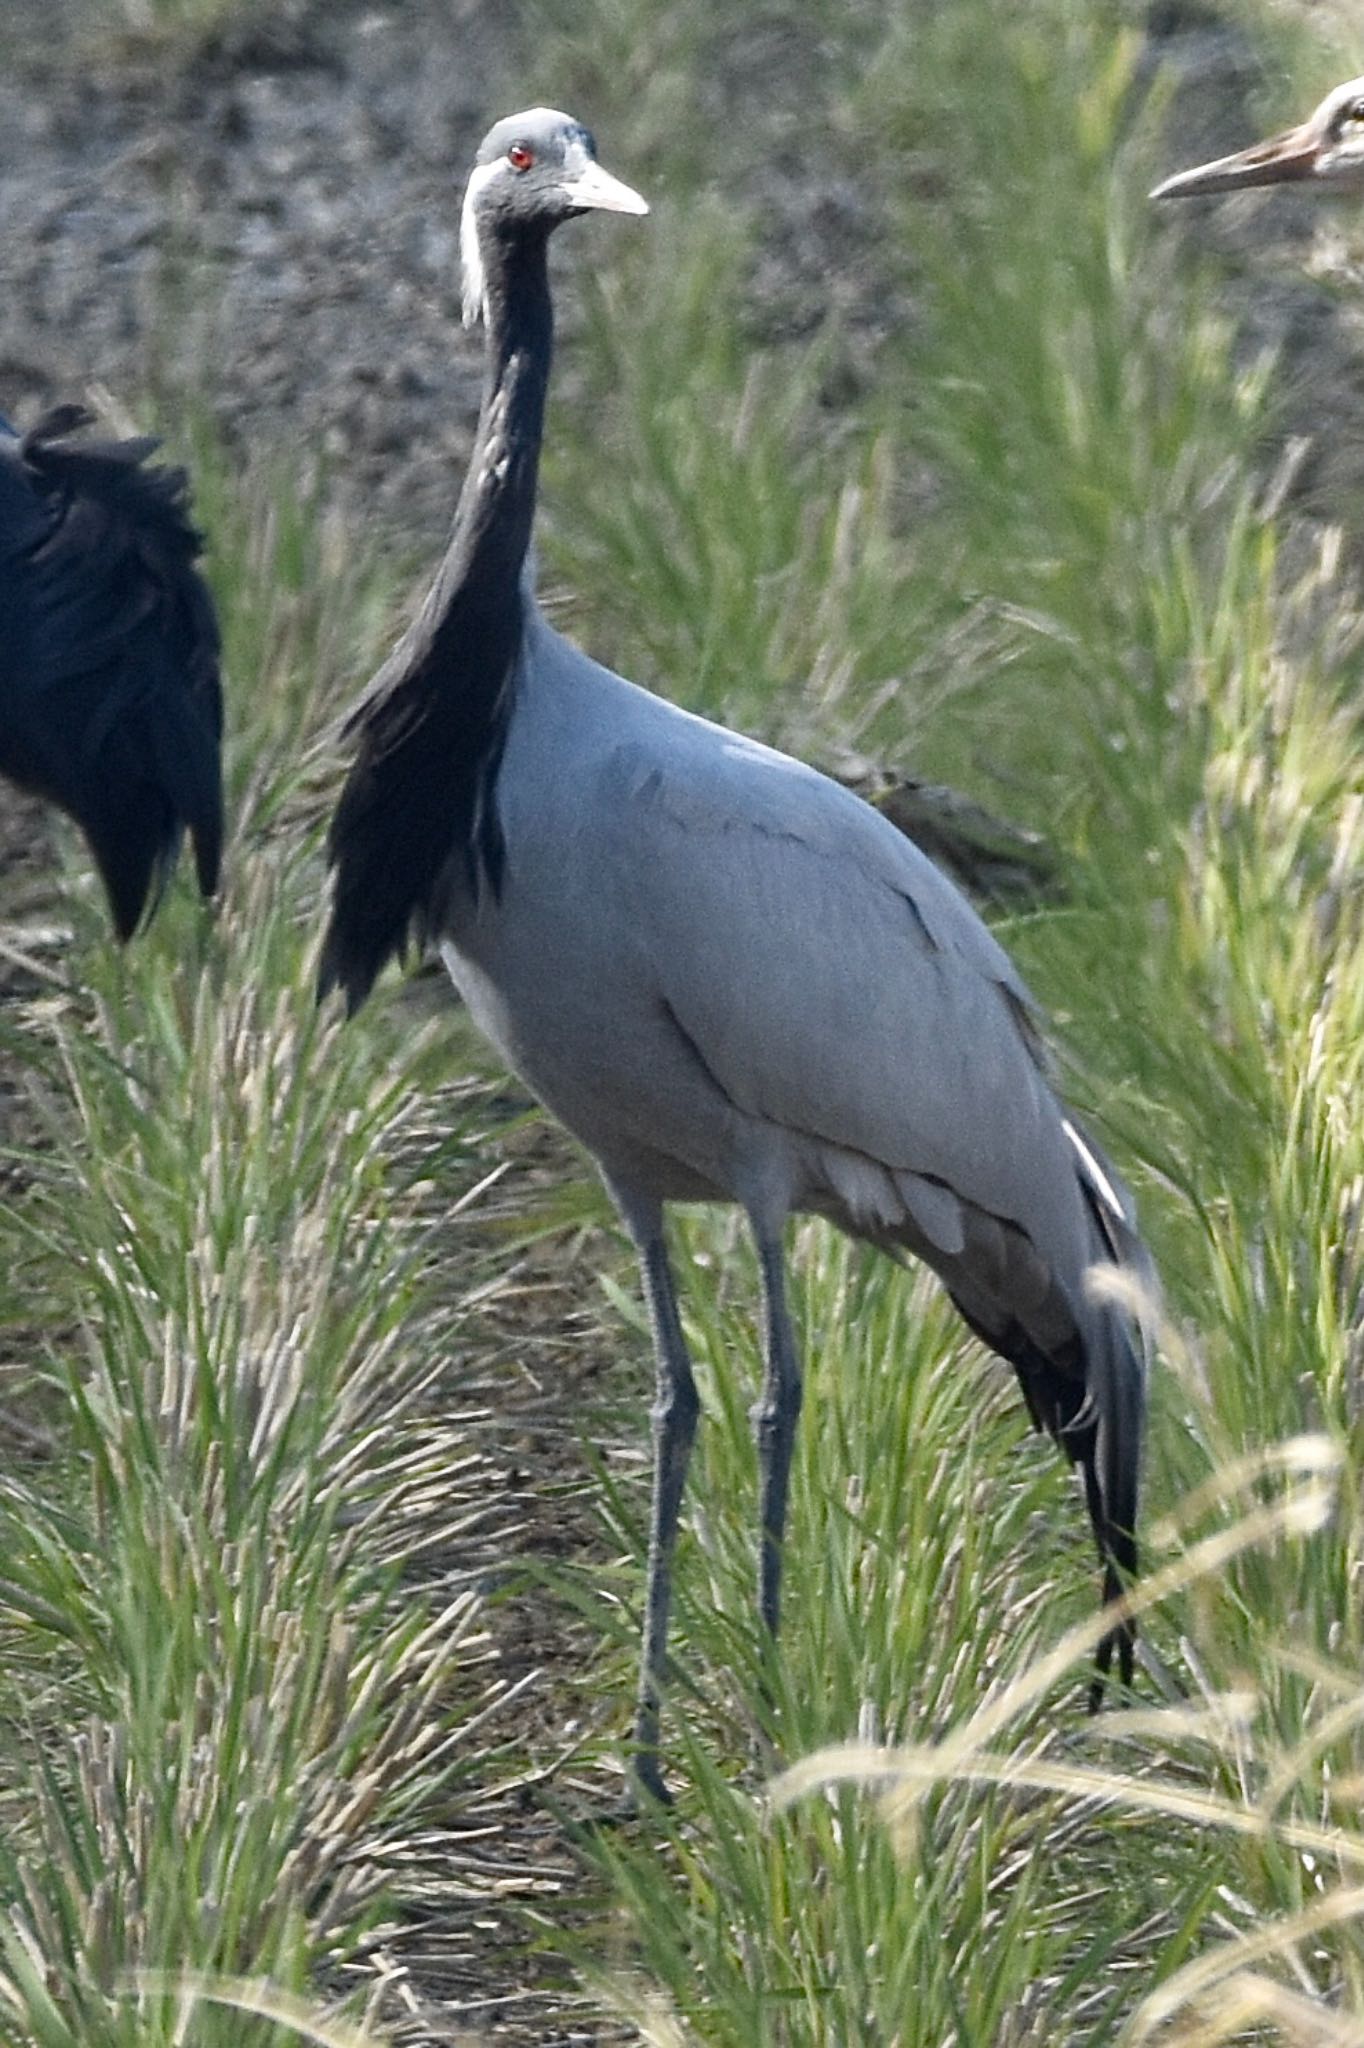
{"x":712,"y":812}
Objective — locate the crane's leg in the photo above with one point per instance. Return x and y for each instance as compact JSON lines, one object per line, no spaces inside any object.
{"x":775,"y":1418}
{"x":674,"y":1419}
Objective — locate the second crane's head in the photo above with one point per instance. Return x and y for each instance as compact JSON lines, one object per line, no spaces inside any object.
{"x":1326,"y":153}
{"x":532,"y":171}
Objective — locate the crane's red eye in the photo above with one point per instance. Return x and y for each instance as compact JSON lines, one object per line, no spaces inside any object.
{"x":520,"y":156}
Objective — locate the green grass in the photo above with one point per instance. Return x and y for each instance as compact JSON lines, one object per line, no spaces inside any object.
{"x":221,"y":1701}
{"x":1016,"y":538}
{"x":1087,"y":620}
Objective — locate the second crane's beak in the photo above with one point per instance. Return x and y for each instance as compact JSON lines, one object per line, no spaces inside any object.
{"x":1295,"y":154}
{"x":589,"y":186}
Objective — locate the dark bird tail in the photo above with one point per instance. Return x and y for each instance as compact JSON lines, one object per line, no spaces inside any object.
{"x":111,"y":705}
{"x":1109,"y":1457}
{"x":1089,"y":1394}
{"x":1105,"y":1437}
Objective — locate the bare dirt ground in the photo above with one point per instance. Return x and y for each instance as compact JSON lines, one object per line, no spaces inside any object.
{"x":311,"y":171}
{"x":271,"y":221}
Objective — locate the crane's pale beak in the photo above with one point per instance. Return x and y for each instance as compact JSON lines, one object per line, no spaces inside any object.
{"x":590,"y":186}
{"x":1297,"y":153}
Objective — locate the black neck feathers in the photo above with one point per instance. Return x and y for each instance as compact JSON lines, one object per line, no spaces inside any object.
{"x":417,"y":818}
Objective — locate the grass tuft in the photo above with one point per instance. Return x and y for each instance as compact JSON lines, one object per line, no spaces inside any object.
{"x":1065,"y":581}
{"x":222,"y":1705}
{"x":1001,"y":511}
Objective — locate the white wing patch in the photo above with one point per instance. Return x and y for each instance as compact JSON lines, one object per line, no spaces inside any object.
{"x":1094,"y":1170}
{"x":470,"y":250}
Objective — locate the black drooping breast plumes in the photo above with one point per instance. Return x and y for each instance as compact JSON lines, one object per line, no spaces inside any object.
{"x":418,"y":814}
{"x":416,"y":840}
{"x":110,"y":700}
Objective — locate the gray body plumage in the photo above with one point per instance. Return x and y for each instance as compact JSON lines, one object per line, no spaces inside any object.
{"x":729,"y":976}
{"x":734,"y":980}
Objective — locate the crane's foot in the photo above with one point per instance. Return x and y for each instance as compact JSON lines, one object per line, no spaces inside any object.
{"x":645,"y":1773}
{"x":645,"y":1796}
{"x":1124,"y":1637}
{"x":646,"y":1786}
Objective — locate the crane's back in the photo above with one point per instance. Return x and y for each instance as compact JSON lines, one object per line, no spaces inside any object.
{"x":705,"y":949}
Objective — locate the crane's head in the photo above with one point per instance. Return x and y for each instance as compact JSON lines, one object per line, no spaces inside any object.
{"x":532,"y":171}
{"x":1326,"y":152}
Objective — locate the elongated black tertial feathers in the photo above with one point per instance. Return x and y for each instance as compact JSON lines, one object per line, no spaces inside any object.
{"x":110,"y":699}
{"x":1090,"y":1395}
{"x":1095,"y":1412}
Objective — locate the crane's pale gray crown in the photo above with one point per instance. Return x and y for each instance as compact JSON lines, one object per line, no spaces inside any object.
{"x":532,"y":171}
{"x":1327,"y":149}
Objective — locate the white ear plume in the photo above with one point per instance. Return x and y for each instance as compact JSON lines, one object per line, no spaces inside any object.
{"x":470,"y":252}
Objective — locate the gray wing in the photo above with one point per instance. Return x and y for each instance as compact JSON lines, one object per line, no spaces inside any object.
{"x":831,"y":979}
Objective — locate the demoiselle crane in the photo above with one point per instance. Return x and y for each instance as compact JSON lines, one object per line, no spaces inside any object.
{"x":1325,"y":152}
{"x":728,"y":976}
{"x":110,"y":702}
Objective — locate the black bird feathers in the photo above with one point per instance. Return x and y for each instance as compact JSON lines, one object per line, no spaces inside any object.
{"x":418,"y":814}
{"x":110,"y":699}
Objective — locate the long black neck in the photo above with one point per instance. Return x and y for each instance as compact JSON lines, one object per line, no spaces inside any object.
{"x":481,"y":572}
{"x":417,"y":829}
